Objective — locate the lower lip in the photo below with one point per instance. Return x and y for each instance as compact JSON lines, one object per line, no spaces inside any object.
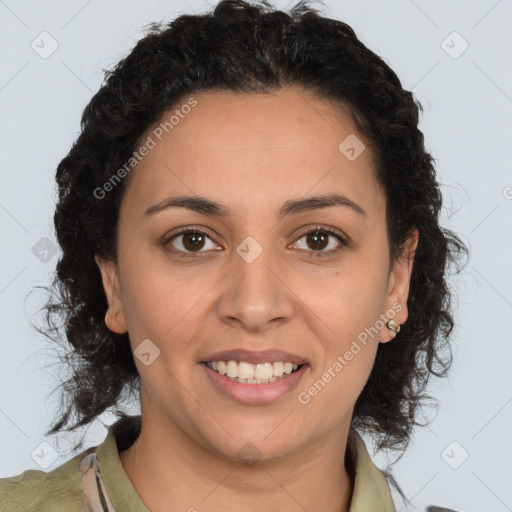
{"x":256,"y":394}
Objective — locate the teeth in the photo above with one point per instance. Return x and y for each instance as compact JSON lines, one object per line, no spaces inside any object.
{"x":222,"y":367}
{"x":278,"y":368}
{"x":232,"y":369}
{"x":252,"y":373}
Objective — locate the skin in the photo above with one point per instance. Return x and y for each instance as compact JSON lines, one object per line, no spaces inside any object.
{"x":251,"y":153}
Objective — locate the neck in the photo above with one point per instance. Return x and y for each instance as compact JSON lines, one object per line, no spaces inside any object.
{"x":312,"y":478}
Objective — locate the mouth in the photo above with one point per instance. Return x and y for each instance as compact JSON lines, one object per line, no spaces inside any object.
{"x":252,"y":390}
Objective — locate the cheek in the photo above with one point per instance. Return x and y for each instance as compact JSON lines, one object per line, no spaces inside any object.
{"x":159,"y":313}
{"x":160,"y":310}
{"x":350,"y":300}
{"x":334,"y":389}
{"x":165,"y":305}
{"x":347,"y":311}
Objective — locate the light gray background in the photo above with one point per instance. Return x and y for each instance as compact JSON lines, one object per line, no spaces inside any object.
{"x":467,"y":127}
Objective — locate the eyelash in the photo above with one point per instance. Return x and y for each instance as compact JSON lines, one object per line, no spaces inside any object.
{"x":318,"y":228}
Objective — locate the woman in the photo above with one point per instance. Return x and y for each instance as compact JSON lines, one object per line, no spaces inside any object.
{"x":250,"y":236}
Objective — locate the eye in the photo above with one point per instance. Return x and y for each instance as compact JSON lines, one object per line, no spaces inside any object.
{"x":194,"y":239}
{"x":318,"y":239}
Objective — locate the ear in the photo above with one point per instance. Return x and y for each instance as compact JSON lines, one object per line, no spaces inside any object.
{"x":114,"y":317}
{"x":398,"y":287}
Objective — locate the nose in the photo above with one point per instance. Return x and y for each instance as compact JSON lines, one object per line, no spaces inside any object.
{"x":256,"y":295}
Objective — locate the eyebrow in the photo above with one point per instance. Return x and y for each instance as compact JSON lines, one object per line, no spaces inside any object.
{"x":211,"y":208}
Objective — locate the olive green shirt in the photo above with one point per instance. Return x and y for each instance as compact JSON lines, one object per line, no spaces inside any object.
{"x":61,"y":489}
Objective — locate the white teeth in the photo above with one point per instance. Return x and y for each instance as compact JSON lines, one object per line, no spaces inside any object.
{"x":232,"y":369}
{"x":278,"y":369}
{"x":222,"y":367}
{"x":252,"y":373}
{"x":262,"y":371}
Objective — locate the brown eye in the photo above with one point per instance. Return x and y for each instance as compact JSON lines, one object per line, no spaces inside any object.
{"x":317,"y":239}
{"x":193,"y":240}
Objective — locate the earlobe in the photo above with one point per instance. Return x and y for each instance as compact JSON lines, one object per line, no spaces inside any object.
{"x":114,"y":317}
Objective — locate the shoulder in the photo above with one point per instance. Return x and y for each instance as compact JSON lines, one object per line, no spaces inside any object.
{"x":40,"y":491}
{"x":372,"y":486}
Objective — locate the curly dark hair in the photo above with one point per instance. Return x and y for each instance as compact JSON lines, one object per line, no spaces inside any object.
{"x":250,"y":48}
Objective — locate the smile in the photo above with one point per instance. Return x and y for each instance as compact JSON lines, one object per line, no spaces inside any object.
{"x":252,"y":391}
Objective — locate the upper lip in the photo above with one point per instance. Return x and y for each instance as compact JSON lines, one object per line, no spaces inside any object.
{"x":264,"y":356}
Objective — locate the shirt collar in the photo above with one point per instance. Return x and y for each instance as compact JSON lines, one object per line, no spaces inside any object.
{"x":120,"y":488}
{"x":371,"y":491}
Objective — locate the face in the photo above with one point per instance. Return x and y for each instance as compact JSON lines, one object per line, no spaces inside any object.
{"x":259,"y":277}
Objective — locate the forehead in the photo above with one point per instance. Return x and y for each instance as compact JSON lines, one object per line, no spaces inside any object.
{"x":263,"y":147}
